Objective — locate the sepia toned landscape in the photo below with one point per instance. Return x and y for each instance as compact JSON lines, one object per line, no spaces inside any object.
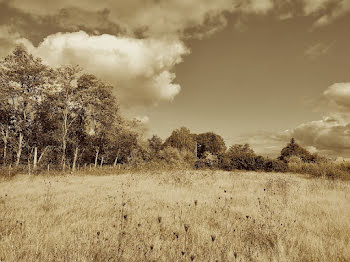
{"x":174,"y":130}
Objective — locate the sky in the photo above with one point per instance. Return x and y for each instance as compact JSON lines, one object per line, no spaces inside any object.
{"x":253,"y":71}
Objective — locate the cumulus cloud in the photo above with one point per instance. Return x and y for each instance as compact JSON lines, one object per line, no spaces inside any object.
{"x":141,"y":69}
{"x":327,"y":10}
{"x":339,"y":95}
{"x":328,"y":136}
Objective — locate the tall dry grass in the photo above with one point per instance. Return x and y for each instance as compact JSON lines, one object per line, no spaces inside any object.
{"x":330,"y":170}
{"x":174,"y":216}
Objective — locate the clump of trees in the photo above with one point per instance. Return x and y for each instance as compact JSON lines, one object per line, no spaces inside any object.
{"x":293,"y":151}
{"x":58,"y":116}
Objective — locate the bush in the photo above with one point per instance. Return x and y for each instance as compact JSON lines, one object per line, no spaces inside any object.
{"x":208,"y":161}
{"x":173,"y":157}
{"x":274,"y":165}
{"x":242,"y":161}
{"x":329,"y":170}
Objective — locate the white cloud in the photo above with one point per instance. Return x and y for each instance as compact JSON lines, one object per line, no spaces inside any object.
{"x":142,"y":119}
{"x":139,"y":68}
{"x":339,"y":94}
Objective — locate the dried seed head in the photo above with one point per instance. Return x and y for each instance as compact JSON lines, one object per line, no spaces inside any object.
{"x":213,"y":238}
{"x":187,"y":227}
{"x":195,"y":202}
{"x":159,"y":220}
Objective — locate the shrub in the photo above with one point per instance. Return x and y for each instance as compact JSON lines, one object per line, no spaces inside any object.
{"x":241,"y":157}
{"x":173,"y":157}
{"x":329,"y":170}
{"x":207,"y":161}
{"x":275,"y":165}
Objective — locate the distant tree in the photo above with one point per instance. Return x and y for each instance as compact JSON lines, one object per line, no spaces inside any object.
{"x":155,"y":144}
{"x":241,"y":157}
{"x":182,"y":139}
{"x":210,"y":142}
{"x":294,"y":149}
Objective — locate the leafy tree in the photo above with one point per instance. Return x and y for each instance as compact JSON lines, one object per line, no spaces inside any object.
{"x":293,"y":149}
{"x":182,"y":139}
{"x":210,"y":142}
{"x":23,"y":79}
{"x":155,"y":144}
{"x":241,"y":157}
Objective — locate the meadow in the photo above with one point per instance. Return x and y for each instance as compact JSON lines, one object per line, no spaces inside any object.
{"x":174,"y":216}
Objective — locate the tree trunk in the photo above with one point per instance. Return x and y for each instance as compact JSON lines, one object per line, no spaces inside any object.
{"x":96,"y":157}
{"x":116,"y":159}
{"x":5,"y":136}
{"x":35,"y":161}
{"x":75,"y":158}
{"x":64,"y":140}
{"x":42,"y":154}
{"x":101,"y":162}
{"x":19,"y":151}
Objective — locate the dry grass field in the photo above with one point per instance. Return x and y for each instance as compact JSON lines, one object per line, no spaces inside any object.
{"x":174,"y":216}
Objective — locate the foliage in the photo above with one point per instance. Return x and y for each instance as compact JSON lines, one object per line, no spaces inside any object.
{"x":182,"y":139}
{"x":210,"y":142}
{"x":241,"y":157}
{"x":58,"y":116}
{"x":208,"y":160}
{"x":293,"y":149}
{"x":275,"y":165}
{"x":155,"y":144}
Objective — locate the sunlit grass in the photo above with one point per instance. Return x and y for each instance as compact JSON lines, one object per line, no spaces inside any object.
{"x":174,"y":216}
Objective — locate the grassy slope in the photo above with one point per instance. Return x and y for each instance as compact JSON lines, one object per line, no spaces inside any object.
{"x":144,"y":217}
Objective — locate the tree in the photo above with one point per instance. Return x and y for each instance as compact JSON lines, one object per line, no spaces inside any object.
{"x":294,"y":149}
{"x":155,"y":144}
{"x":23,"y":79}
{"x":241,"y":157}
{"x":210,"y":142}
{"x":181,"y":139}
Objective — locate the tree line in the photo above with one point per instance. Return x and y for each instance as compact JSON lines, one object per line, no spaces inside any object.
{"x":64,"y":118}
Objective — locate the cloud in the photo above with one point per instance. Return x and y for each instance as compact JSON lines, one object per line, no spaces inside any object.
{"x":331,"y":135}
{"x":327,"y":10}
{"x":339,"y":95}
{"x":141,"y":69}
{"x":142,"y":119}
{"x":328,"y":136}
{"x":317,"y":50}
